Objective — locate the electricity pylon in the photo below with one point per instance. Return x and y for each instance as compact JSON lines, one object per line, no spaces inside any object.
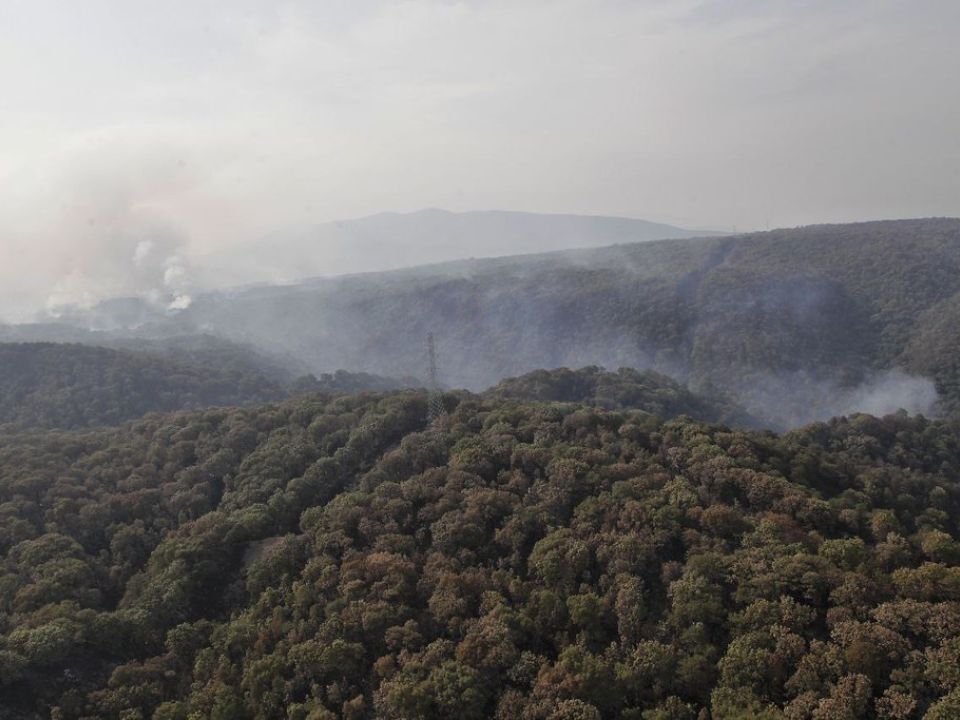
{"x":435,"y":408}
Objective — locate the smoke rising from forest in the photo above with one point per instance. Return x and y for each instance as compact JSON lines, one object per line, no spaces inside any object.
{"x":112,"y":231}
{"x":791,"y":400}
{"x":228,"y":129}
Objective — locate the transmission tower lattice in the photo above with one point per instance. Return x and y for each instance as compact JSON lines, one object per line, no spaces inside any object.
{"x":435,"y":407}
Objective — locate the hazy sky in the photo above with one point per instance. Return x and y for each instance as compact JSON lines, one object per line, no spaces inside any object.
{"x":136,"y":136}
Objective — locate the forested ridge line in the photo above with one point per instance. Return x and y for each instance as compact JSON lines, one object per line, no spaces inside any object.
{"x":334,"y":557}
{"x":71,"y":385}
{"x":794,"y":324}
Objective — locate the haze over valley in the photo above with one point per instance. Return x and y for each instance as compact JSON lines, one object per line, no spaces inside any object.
{"x":795,"y":325}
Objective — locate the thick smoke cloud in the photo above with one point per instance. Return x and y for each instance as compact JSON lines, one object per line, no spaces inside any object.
{"x":110,"y":232}
{"x":888,"y":392}
{"x":136,"y":255}
{"x":789,"y":400}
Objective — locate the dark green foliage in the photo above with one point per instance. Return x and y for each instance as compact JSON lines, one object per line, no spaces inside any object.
{"x":343,"y":382}
{"x":627,"y":388}
{"x":77,"y":386}
{"x":934,"y":349}
{"x":193,"y":349}
{"x":55,"y":385}
{"x":331,"y":557}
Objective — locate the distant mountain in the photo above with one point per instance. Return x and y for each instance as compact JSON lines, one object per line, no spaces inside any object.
{"x":396,"y":240}
{"x":795,"y":325}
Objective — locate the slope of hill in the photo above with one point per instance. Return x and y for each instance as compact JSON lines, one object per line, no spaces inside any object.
{"x":192,"y":348}
{"x":326,"y":558}
{"x":75,"y":386}
{"x":57,"y":385}
{"x":397,"y":240}
{"x":792,"y":324}
{"x":627,"y":388}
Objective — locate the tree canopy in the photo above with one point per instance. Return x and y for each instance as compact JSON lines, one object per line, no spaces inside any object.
{"x":69,"y":385}
{"x":333,"y":557}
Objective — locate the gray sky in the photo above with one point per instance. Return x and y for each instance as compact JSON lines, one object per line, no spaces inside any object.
{"x":137,"y":136}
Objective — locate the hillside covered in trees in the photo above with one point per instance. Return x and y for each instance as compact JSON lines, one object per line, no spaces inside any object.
{"x":192,"y":349}
{"x":792,"y":324}
{"x":75,"y":386}
{"x":626,"y":388}
{"x":335,"y":557}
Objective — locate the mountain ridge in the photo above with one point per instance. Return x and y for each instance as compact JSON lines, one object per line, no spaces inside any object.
{"x":796,"y":325}
{"x":398,"y":240}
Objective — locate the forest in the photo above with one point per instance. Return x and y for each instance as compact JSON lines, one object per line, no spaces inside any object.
{"x":794,"y":325}
{"x":627,"y":388}
{"x":527,"y":555}
{"x":69,"y":385}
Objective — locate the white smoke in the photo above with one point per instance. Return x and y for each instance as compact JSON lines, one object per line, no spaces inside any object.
{"x":888,"y":392}
{"x":180,"y":302}
{"x":100,"y":223}
{"x":71,"y":290}
{"x":793,"y":399}
{"x":152,"y":268}
{"x":176,"y":279}
{"x":142,"y":252}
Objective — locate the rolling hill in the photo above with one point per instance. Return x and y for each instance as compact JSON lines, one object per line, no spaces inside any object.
{"x":337,"y":558}
{"x":63,"y":385}
{"x":58,"y":385}
{"x":626,"y":389}
{"x":389,"y":241}
{"x":794,"y":325}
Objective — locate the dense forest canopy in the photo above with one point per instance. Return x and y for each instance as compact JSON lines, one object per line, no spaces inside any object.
{"x":627,"y":388}
{"x":193,"y":349}
{"x":75,"y":386}
{"x":794,"y":324}
{"x":336,"y":557}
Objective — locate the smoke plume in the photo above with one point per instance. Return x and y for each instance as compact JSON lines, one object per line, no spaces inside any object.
{"x":102,"y":226}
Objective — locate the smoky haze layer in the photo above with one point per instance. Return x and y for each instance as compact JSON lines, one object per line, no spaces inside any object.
{"x":121,"y":249}
{"x":389,"y":241}
{"x":140,"y":141}
{"x":795,"y":325}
